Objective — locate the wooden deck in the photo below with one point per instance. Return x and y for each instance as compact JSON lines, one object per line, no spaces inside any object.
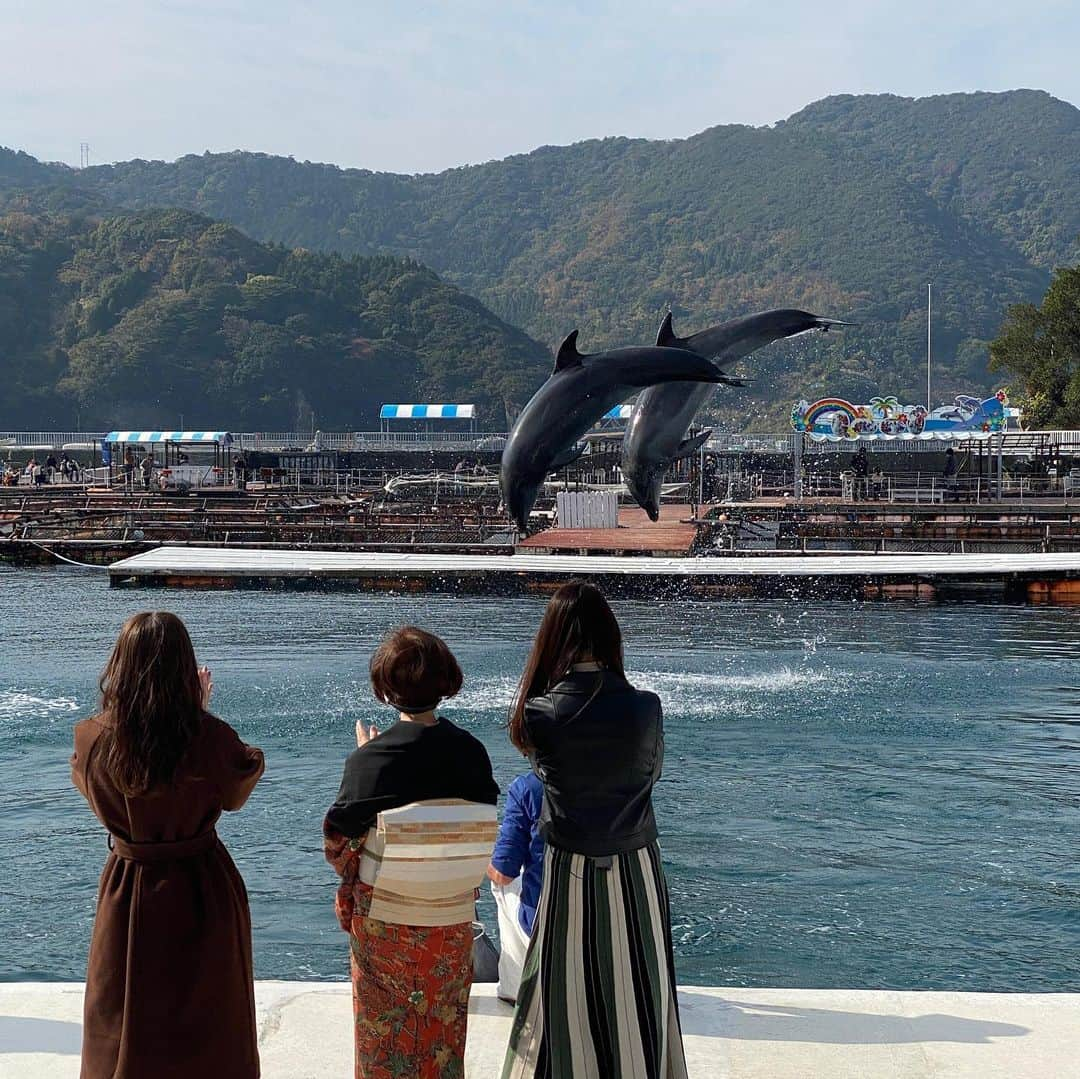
{"x":673,"y":535}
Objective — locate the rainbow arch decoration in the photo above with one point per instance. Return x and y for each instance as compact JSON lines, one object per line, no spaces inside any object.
{"x":829,"y":405}
{"x":834,"y":416}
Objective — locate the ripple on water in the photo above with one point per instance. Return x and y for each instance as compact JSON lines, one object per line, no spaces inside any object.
{"x":856,"y":795}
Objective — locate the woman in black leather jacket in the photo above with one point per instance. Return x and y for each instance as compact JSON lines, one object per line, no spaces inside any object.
{"x":597,"y":997}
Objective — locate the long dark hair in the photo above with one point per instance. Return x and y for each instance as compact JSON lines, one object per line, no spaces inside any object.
{"x":152,"y":700}
{"x":577,"y":623}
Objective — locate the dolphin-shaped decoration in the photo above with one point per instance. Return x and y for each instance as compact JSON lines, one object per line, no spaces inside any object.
{"x":580,"y":390}
{"x":654,"y":436}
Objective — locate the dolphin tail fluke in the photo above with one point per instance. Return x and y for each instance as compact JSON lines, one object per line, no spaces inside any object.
{"x":568,"y":456}
{"x":689,"y":446}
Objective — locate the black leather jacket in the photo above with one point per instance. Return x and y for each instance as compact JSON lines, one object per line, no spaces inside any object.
{"x":598,"y":748}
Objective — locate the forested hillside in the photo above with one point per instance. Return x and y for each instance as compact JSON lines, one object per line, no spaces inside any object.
{"x":137,"y":319}
{"x":848,"y":208}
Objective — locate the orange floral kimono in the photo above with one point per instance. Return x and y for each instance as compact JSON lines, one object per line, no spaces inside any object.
{"x":410,"y":983}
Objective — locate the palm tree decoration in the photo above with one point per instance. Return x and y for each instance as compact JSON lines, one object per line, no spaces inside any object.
{"x":884,"y":406}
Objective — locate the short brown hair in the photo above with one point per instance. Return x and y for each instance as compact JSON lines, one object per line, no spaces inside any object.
{"x":413,"y":670}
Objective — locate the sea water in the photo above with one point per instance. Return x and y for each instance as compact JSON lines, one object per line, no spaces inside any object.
{"x":861,"y":795}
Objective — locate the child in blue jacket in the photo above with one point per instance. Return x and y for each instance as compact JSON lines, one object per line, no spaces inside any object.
{"x":517,"y":873}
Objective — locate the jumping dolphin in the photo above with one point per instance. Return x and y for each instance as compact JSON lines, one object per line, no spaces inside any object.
{"x":654,"y":437}
{"x":580,"y":390}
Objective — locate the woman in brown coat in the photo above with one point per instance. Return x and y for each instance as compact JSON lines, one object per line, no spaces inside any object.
{"x":169,"y":989}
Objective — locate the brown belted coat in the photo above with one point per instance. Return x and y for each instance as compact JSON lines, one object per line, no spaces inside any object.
{"x":169,"y":989}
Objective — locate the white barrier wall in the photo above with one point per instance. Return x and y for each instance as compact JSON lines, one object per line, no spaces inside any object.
{"x":587,"y":509}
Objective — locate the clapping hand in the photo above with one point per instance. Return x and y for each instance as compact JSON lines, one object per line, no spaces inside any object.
{"x":365,"y":734}
{"x":206,"y":683}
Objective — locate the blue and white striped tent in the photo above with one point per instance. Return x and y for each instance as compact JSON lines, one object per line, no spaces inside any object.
{"x":221,"y":438}
{"x":619,"y":412}
{"x":427,"y":412}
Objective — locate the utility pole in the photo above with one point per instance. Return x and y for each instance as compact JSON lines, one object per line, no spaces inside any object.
{"x":929,"y":402}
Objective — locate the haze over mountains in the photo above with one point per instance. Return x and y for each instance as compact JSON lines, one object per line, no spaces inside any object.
{"x":848,"y":209}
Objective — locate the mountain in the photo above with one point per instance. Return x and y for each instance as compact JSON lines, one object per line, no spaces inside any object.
{"x":848,"y":208}
{"x":138,"y":318}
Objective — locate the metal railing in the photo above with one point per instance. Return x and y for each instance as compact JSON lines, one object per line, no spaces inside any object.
{"x":55,"y":440}
{"x":721,"y":442}
{"x":370,"y":440}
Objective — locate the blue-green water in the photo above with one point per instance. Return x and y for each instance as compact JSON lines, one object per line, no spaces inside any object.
{"x":863,"y":795}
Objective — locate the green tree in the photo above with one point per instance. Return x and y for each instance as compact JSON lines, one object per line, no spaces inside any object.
{"x":1040,"y":344}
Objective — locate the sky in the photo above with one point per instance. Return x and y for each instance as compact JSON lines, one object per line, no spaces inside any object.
{"x":421,"y":87}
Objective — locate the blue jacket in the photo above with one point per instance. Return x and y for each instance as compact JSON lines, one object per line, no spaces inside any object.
{"x":520,"y":847}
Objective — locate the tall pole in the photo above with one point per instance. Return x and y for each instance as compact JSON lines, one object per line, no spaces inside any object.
{"x":929,"y":403}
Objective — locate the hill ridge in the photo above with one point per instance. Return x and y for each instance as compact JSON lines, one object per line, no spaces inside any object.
{"x":848,"y":207}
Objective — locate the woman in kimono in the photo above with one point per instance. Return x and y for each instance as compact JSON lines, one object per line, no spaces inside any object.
{"x":597,"y":997}
{"x":410,"y":983}
{"x":169,"y":990}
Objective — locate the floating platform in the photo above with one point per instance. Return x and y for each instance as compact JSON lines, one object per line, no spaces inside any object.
{"x":674,"y":535}
{"x":305,"y":1032}
{"x":920,"y":575}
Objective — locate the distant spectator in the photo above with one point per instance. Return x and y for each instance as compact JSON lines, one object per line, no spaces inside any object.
{"x":35,"y":473}
{"x":50,"y":468}
{"x":146,"y":467}
{"x":66,"y":467}
{"x":952,"y":480}
{"x":128,"y":469}
{"x":240,"y":471}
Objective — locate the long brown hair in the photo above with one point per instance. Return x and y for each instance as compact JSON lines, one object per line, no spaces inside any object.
{"x":577,"y":623}
{"x":151,"y":699}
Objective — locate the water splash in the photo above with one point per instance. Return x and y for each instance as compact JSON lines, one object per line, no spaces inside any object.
{"x":18,"y":705}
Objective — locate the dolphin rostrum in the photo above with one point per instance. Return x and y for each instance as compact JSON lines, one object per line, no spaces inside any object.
{"x":580,"y":390}
{"x":654,"y":436}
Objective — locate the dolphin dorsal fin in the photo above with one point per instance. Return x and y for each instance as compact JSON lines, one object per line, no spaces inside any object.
{"x":665,"y":336}
{"x":568,"y":355}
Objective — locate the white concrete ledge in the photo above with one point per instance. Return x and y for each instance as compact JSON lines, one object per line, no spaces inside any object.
{"x":305,"y":1032}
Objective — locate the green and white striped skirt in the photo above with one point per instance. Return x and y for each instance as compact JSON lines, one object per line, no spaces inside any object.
{"x":597,"y":997}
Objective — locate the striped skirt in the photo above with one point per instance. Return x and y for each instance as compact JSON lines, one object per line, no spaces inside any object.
{"x":597,"y":997}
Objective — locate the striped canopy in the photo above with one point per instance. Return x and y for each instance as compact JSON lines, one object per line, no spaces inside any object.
{"x":427,"y":412}
{"x":619,"y":412}
{"x":220,"y":437}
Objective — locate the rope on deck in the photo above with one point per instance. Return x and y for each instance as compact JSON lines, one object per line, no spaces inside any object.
{"x":64,"y":558}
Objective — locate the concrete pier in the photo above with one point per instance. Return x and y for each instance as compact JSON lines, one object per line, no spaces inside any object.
{"x":305,"y":1032}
